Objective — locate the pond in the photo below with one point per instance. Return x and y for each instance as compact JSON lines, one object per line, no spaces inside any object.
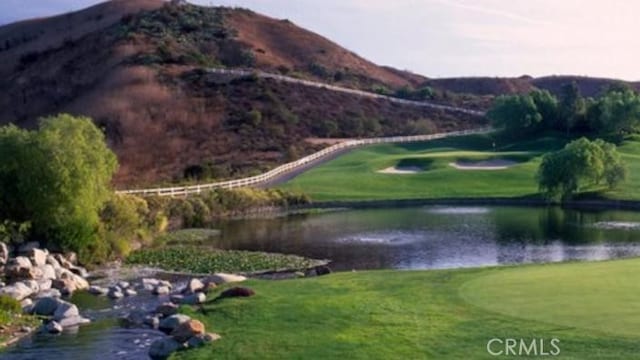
{"x":440,"y":236}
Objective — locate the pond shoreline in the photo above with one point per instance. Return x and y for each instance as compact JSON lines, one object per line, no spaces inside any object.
{"x":488,"y":201}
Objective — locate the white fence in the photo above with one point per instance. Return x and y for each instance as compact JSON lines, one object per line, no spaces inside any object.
{"x":240,"y":72}
{"x":286,"y":168}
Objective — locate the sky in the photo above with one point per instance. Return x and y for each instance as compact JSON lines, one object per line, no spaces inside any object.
{"x":450,"y":38}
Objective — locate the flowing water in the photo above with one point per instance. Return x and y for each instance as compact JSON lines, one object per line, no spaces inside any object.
{"x":404,"y":238}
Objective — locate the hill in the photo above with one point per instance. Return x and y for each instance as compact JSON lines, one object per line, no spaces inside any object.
{"x":136,"y":67}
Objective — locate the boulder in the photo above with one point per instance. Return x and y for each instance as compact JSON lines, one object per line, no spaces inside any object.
{"x":26,"y":304}
{"x":123,"y":284}
{"x":46,"y":306}
{"x":97,"y":290}
{"x":163,"y":348}
{"x":79,"y":282}
{"x":79,"y":271}
{"x":134,"y":318}
{"x":115,"y":293}
{"x":194,"y":285}
{"x":130,"y":292}
{"x":187,"y":330}
{"x":201,"y":339}
{"x":152,"y":321}
{"x":16,"y":291}
{"x":51,"y":260}
{"x":44,"y":285}
{"x":194,"y":299}
{"x":37,"y":256}
{"x":66,"y":286}
{"x":237,"y":292}
{"x":62,"y":261}
{"x":222,"y":278}
{"x":19,"y":267}
{"x":169,"y":324}
{"x":33,"y":285}
{"x":4,"y":253}
{"x":149,"y":284}
{"x":72,"y":321}
{"x":72,"y":257}
{"x":48,"y":271}
{"x":167,"y":309}
{"x":161,"y":290}
{"x":65,"y":310}
{"x":49,"y":293}
{"x":53,"y":327}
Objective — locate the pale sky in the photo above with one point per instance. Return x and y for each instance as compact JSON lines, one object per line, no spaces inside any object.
{"x":448,"y":38}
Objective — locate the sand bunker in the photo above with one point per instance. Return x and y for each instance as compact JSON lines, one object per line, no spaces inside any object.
{"x":494,"y":164}
{"x":401,"y":170}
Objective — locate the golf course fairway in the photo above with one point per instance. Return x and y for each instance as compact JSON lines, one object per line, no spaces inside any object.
{"x":591,"y":308}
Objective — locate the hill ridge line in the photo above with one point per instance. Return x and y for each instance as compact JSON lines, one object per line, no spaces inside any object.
{"x":282,"y":170}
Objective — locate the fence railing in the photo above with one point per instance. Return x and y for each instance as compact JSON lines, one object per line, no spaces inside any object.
{"x":286,"y":168}
{"x":284,"y":78}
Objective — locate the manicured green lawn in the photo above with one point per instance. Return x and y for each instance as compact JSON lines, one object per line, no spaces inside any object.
{"x":591,"y":308}
{"x":355,"y":175}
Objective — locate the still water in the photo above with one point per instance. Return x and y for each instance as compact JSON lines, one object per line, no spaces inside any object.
{"x":441,"y":237}
{"x":405,"y":238}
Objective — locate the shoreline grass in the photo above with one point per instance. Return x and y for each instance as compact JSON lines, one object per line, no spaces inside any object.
{"x":433,"y":314}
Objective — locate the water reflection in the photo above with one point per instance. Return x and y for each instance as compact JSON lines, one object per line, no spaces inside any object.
{"x":441,"y":237}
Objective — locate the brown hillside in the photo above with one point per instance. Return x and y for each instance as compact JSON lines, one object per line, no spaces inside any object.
{"x":133,"y":67}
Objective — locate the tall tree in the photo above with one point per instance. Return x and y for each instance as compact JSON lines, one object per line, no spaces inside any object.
{"x":572,"y":106}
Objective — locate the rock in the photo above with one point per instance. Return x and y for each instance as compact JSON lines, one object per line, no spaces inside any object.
{"x":28,"y":246}
{"x":176,"y":298}
{"x":130,"y":292}
{"x":72,"y":321}
{"x":123,"y":284}
{"x":152,"y":321}
{"x":62,"y":261}
{"x":26,"y":305}
{"x":97,"y":290}
{"x":163,"y":348}
{"x":222,"y":278}
{"x":4,"y":253}
{"x":66,"y":286}
{"x":48,"y":271}
{"x":237,"y":292}
{"x":194,"y":299}
{"x":161,"y":290}
{"x":149,"y":284}
{"x":71,"y":257}
{"x":79,"y":282}
{"x":167,"y":309}
{"x":79,"y":271}
{"x":49,"y":293}
{"x":53,"y":327}
{"x":44,"y":285}
{"x":187,"y":330}
{"x":194,"y":285}
{"x":51,"y":260}
{"x":16,"y":291}
{"x":33,"y":285}
{"x":323,"y":270}
{"x":168,"y":324}
{"x":115,"y":292}
{"x":65,"y":310}
{"x":46,"y":306}
{"x":201,"y":339}
{"x":38,"y":257}
{"x":134,"y":318}
{"x":19,"y":267}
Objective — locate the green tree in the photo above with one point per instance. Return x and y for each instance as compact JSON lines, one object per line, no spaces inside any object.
{"x":547,"y":107}
{"x":517,"y":115}
{"x":58,"y":178}
{"x":580,"y":163}
{"x":619,"y":112}
{"x":572,"y":107}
